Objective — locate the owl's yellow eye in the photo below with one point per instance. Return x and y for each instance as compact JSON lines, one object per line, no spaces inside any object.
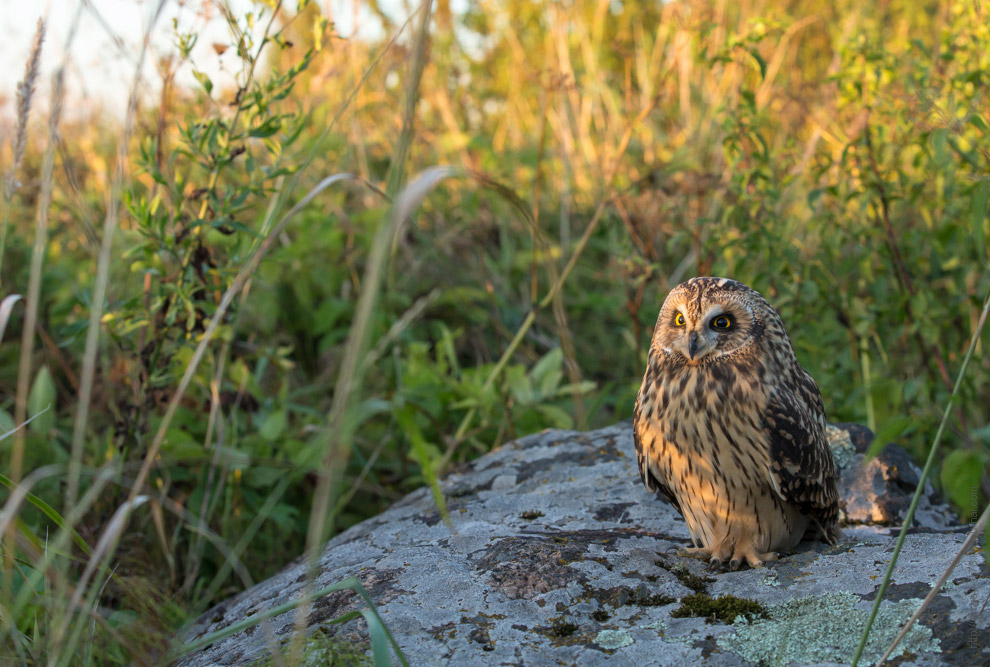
{"x":721,"y":322}
{"x":678,"y":320}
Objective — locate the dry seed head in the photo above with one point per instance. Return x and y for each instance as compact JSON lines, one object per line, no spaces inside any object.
{"x":25,"y":91}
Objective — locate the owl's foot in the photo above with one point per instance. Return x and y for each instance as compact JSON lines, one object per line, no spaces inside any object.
{"x":753,"y":559}
{"x":732,"y":560}
{"x":716,"y":561}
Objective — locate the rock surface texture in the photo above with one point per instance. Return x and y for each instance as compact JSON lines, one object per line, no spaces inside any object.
{"x":560,"y":557}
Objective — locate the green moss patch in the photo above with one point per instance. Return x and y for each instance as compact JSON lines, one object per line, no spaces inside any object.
{"x":641,"y":596}
{"x":696,"y":583}
{"x":725,"y":608}
{"x":562,"y":628}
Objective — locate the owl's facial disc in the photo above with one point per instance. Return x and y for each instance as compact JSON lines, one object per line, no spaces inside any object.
{"x":700,"y":334}
{"x":699,"y":340}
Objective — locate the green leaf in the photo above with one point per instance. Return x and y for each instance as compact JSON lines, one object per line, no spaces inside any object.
{"x":961,"y":473}
{"x":557,"y":417}
{"x":976,"y":120}
{"x":759,"y":61}
{"x":274,"y":425}
{"x":519,"y":384}
{"x":6,"y":422}
{"x":887,"y":432}
{"x":267,"y":128}
{"x":40,"y":399}
{"x":204,"y":81}
{"x":426,"y":455}
{"x":582,"y":387}
{"x":546,"y":374}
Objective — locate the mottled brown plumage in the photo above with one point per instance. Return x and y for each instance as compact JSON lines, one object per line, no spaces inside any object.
{"x":730,"y":427}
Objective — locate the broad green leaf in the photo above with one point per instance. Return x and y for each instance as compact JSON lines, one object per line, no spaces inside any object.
{"x":40,"y":399}
{"x":558,"y":417}
{"x":6,"y":422}
{"x":274,"y":425}
{"x":961,"y":473}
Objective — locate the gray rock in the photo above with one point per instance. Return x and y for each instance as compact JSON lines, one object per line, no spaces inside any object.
{"x":879,"y":491}
{"x":559,"y":556}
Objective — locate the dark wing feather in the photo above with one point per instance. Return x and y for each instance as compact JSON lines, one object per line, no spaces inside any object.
{"x":652,"y":483}
{"x":800,"y":457}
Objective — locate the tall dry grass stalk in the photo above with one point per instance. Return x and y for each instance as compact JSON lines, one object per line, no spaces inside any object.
{"x":38,"y":253}
{"x":34,"y":286}
{"x":25,"y":93}
{"x":103,"y":271}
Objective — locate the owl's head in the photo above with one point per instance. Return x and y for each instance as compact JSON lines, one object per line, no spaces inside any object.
{"x":705,"y":319}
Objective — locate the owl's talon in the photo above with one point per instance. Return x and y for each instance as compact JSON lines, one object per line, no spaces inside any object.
{"x":733,"y":565}
{"x":714,"y":565}
{"x":694,"y":552}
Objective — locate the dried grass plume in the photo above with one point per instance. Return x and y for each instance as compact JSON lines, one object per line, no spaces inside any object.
{"x":25,"y":91}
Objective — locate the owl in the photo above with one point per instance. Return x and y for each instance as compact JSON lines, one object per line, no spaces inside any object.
{"x":731,"y":429}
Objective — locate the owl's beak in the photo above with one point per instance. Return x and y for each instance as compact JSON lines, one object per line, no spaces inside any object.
{"x":692,"y":344}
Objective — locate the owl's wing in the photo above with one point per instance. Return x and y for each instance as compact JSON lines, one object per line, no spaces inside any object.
{"x":643,"y":459}
{"x":801,"y":468}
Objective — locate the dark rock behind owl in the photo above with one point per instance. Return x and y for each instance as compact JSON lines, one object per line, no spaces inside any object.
{"x":558,"y":556}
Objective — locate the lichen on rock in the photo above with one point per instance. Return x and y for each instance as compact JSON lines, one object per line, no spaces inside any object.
{"x":613,"y":639}
{"x":826,"y":628}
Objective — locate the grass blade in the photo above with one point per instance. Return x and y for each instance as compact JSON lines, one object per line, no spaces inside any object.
{"x":397,"y":168}
{"x":38,"y":252}
{"x":48,"y":511}
{"x":351,"y":372}
{"x":6,"y":306}
{"x":379,"y":640}
{"x":340,"y":427}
